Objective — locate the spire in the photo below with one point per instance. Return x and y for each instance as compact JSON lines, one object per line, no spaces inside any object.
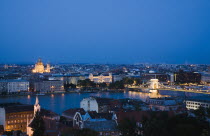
{"x":37,"y":101}
{"x":37,"y":107}
{"x":39,"y":60}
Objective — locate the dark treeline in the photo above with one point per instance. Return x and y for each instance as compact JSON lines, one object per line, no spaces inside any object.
{"x":163,"y":125}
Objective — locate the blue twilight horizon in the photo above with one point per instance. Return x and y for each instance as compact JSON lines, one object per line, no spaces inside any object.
{"x":105,"y":31}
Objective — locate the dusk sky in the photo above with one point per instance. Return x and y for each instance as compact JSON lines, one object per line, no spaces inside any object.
{"x":105,"y":31}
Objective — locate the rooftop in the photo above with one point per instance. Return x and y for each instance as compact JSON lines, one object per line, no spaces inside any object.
{"x":71,"y":112}
{"x":95,"y":115}
{"x":200,"y":98}
{"x":99,"y":126}
{"x":18,"y":108}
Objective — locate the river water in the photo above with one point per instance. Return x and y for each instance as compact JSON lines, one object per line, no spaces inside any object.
{"x":60,"y":102}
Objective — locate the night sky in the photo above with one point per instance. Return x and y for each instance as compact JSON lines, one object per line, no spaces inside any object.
{"x":105,"y":31}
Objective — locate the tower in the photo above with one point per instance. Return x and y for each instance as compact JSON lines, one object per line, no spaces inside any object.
{"x":37,"y":107}
{"x":48,"y":68}
{"x":39,"y":67}
{"x":154,"y":84}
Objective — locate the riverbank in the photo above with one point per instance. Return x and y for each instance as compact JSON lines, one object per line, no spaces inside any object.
{"x":61,"y":92}
{"x":189,"y":91}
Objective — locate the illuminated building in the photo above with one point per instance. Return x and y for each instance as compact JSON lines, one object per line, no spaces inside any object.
{"x":15,"y":116}
{"x":195,"y":102}
{"x":187,"y":77}
{"x":39,"y":67}
{"x":49,"y":86}
{"x":37,"y":107}
{"x":50,"y":121}
{"x":14,"y":86}
{"x":101,"y":78}
{"x":100,"y":105}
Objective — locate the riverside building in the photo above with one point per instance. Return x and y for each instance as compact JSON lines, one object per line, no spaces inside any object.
{"x":14,"y":86}
{"x":196,"y":102}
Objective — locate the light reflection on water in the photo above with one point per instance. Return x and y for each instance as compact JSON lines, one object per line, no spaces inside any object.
{"x":144,"y":96}
{"x":29,"y":97}
{"x":60,"y":102}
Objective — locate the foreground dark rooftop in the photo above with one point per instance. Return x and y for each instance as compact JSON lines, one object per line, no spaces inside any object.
{"x":16,"y":107}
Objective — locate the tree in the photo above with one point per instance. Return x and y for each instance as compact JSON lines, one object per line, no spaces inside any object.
{"x":117,"y":85}
{"x":102,"y":85}
{"x":79,"y":132}
{"x":183,"y":125}
{"x":87,"y":132}
{"x":8,"y":133}
{"x":128,"y":81}
{"x":37,"y":125}
{"x":208,"y":112}
{"x":200,"y":113}
{"x":67,"y":86}
{"x":86,"y":83}
{"x":205,"y":132}
{"x":128,"y":127}
{"x":155,"y":125}
{"x":138,"y":107}
{"x":137,"y":81}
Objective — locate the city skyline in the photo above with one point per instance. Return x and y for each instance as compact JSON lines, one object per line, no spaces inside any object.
{"x":105,"y":67}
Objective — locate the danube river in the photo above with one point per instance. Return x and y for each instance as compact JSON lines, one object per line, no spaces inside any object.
{"x":60,"y":102}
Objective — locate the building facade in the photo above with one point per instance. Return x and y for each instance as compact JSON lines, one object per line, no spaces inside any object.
{"x":116,"y":77}
{"x":104,"y":123}
{"x":163,"y":104}
{"x":49,"y":86}
{"x":72,"y":79}
{"x":14,"y":86}
{"x":101,"y":78}
{"x":205,"y":78}
{"x":100,"y":105}
{"x":3,"y":86}
{"x":89,"y":104}
{"x":15,"y":117}
{"x":187,"y":77}
{"x":39,"y":67}
{"x":195,"y":103}
{"x":50,"y":121}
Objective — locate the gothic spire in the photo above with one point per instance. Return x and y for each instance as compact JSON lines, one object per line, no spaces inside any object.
{"x":37,"y":101}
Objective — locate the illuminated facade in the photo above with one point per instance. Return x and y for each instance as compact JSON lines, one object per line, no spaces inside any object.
{"x":50,"y":121}
{"x":101,"y":78}
{"x":14,"y":86}
{"x":49,"y":86}
{"x":154,"y":84}
{"x":15,"y":117}
{"x":37,"y":108}
{"x":196,"y":102}
{"x":39,"y":67}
